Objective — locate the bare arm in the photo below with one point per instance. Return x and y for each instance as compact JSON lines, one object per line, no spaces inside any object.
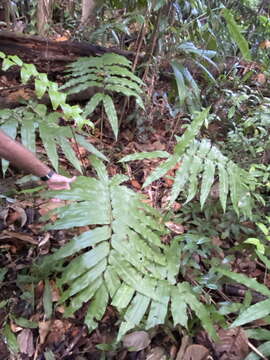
{"x":22,"y":158}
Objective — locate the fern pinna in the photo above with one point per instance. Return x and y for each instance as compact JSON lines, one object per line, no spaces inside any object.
{"x":122,"y":261}
{"x":110,"y":73}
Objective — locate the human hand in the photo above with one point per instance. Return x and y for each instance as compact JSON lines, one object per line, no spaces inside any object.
{"x":59,"y":182}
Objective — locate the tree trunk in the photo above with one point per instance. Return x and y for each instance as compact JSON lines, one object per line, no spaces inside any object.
{"x":44,"y":15}
{"x":88,"y":7}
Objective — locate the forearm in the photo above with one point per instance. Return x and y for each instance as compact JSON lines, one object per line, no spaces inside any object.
{"x":20,"y":157}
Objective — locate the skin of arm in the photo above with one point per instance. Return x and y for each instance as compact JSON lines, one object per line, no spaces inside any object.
{"x":22,"y":158}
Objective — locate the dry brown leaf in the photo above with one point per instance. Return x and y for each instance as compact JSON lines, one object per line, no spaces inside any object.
{"x":26,"y":343}
{"x":265,"y":44}
{"x":232,"y":344}
{"x":136,"y":341}
{"x":175,"y":228}
{"x":58,"y":331}
{"x":44,"y":329}
{"x":196,"y":352}
{"x":184,"y":344}
{"x":15,"y":235}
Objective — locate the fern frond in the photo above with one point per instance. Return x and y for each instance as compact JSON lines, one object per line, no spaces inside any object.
{"x":36,"y":120}
{"x":123,"y":261}
{"x":112,"y":74}
{"x":201,"y":164}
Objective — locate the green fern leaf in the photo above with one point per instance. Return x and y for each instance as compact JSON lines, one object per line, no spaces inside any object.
{"x":120,"y":71}
{"x":97,"y":308}
{"x":112,"y":58}
{"x":69,"y":153}
{"x":93,"y":103}
{"x":195,"y":169}
{"x":123,"y":259}
{"x":113,"y":80}
{"x":111,"y":113}
{"x":145,"y":155}
{"x":49,"y":143}
{"x":191,"y":132}
{"x":125,"y":91}
{"x":28,"y":135}
{"x":88,"y":146}
{"x":208,"y":178}
{"x":254,"y":312}
{"x":179,"y":307}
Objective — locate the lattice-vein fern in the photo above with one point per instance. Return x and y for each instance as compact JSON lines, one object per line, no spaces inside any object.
{"x":110,"y":73}
{"x":122,"y":261}
{"x":35,"y":119}
{"x":200,"y":164}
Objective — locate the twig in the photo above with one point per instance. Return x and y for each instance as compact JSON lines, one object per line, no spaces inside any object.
{"x":254,"y":349}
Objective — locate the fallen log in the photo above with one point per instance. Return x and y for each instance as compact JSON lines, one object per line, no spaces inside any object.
{"x":36,"y":49}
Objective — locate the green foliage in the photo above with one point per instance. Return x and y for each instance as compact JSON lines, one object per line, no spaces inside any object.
{"x":36,"y":120}
{"x":122,"y":261}
{"x":43,"y":85}
{"x":236,"y":35}
{"x":200,"y":164}
{"x":111,"y":73}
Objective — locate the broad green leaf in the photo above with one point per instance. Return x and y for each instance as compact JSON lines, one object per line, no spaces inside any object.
{"x":10,"y":339}
{"x":181,"y":177}
{"x":123,"y":296}
{"x":111,"y":114}
{"x":243,"y":279}
{"x":40,"y":88}
{"x":82,"y":297}
{"x":254,"y":312}
{"x":191,"y":132}
{"x":16,"y":60}
{"x":49,"y":144}
{"x":161,"y":170}
{"x":208,"y":178}
{"x":57,"y":98}
{"x":93,"y":103}
{"x":112,"y":281}
{"x":179,"y":77}
{"x":88,"y":146}
{"x":263,"y":349}
{"x":258,"y":334}
{"x":83,"y":281}
{"x":158,"y":310}
{"x":25,"y":323}
{"x":125,"y":91}
{"x":47,"y":299}
{"x":223,"y":185}
{"x":199,"y":309}
{"x":97,"y":308}
{"x":7,"y":63}
{"x":145,"y":155}
{"x":85,"y":262}
{"x":49,"y":355}
{"x":69,"y":153}
{"x":120,"y":71}
{"x":179,"y":307}
{"x":28,"y":135}
{"x":236,"y":35}
{"x":195,"y":169}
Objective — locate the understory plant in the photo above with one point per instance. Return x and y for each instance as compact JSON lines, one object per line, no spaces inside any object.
{"x":35,"y":120}
{"x":121,"y":260}
{"x":111,"y":74}
{"x":200,"y":165}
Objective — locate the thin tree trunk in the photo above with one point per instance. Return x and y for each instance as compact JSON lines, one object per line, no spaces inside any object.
{"x":44,"y":15}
